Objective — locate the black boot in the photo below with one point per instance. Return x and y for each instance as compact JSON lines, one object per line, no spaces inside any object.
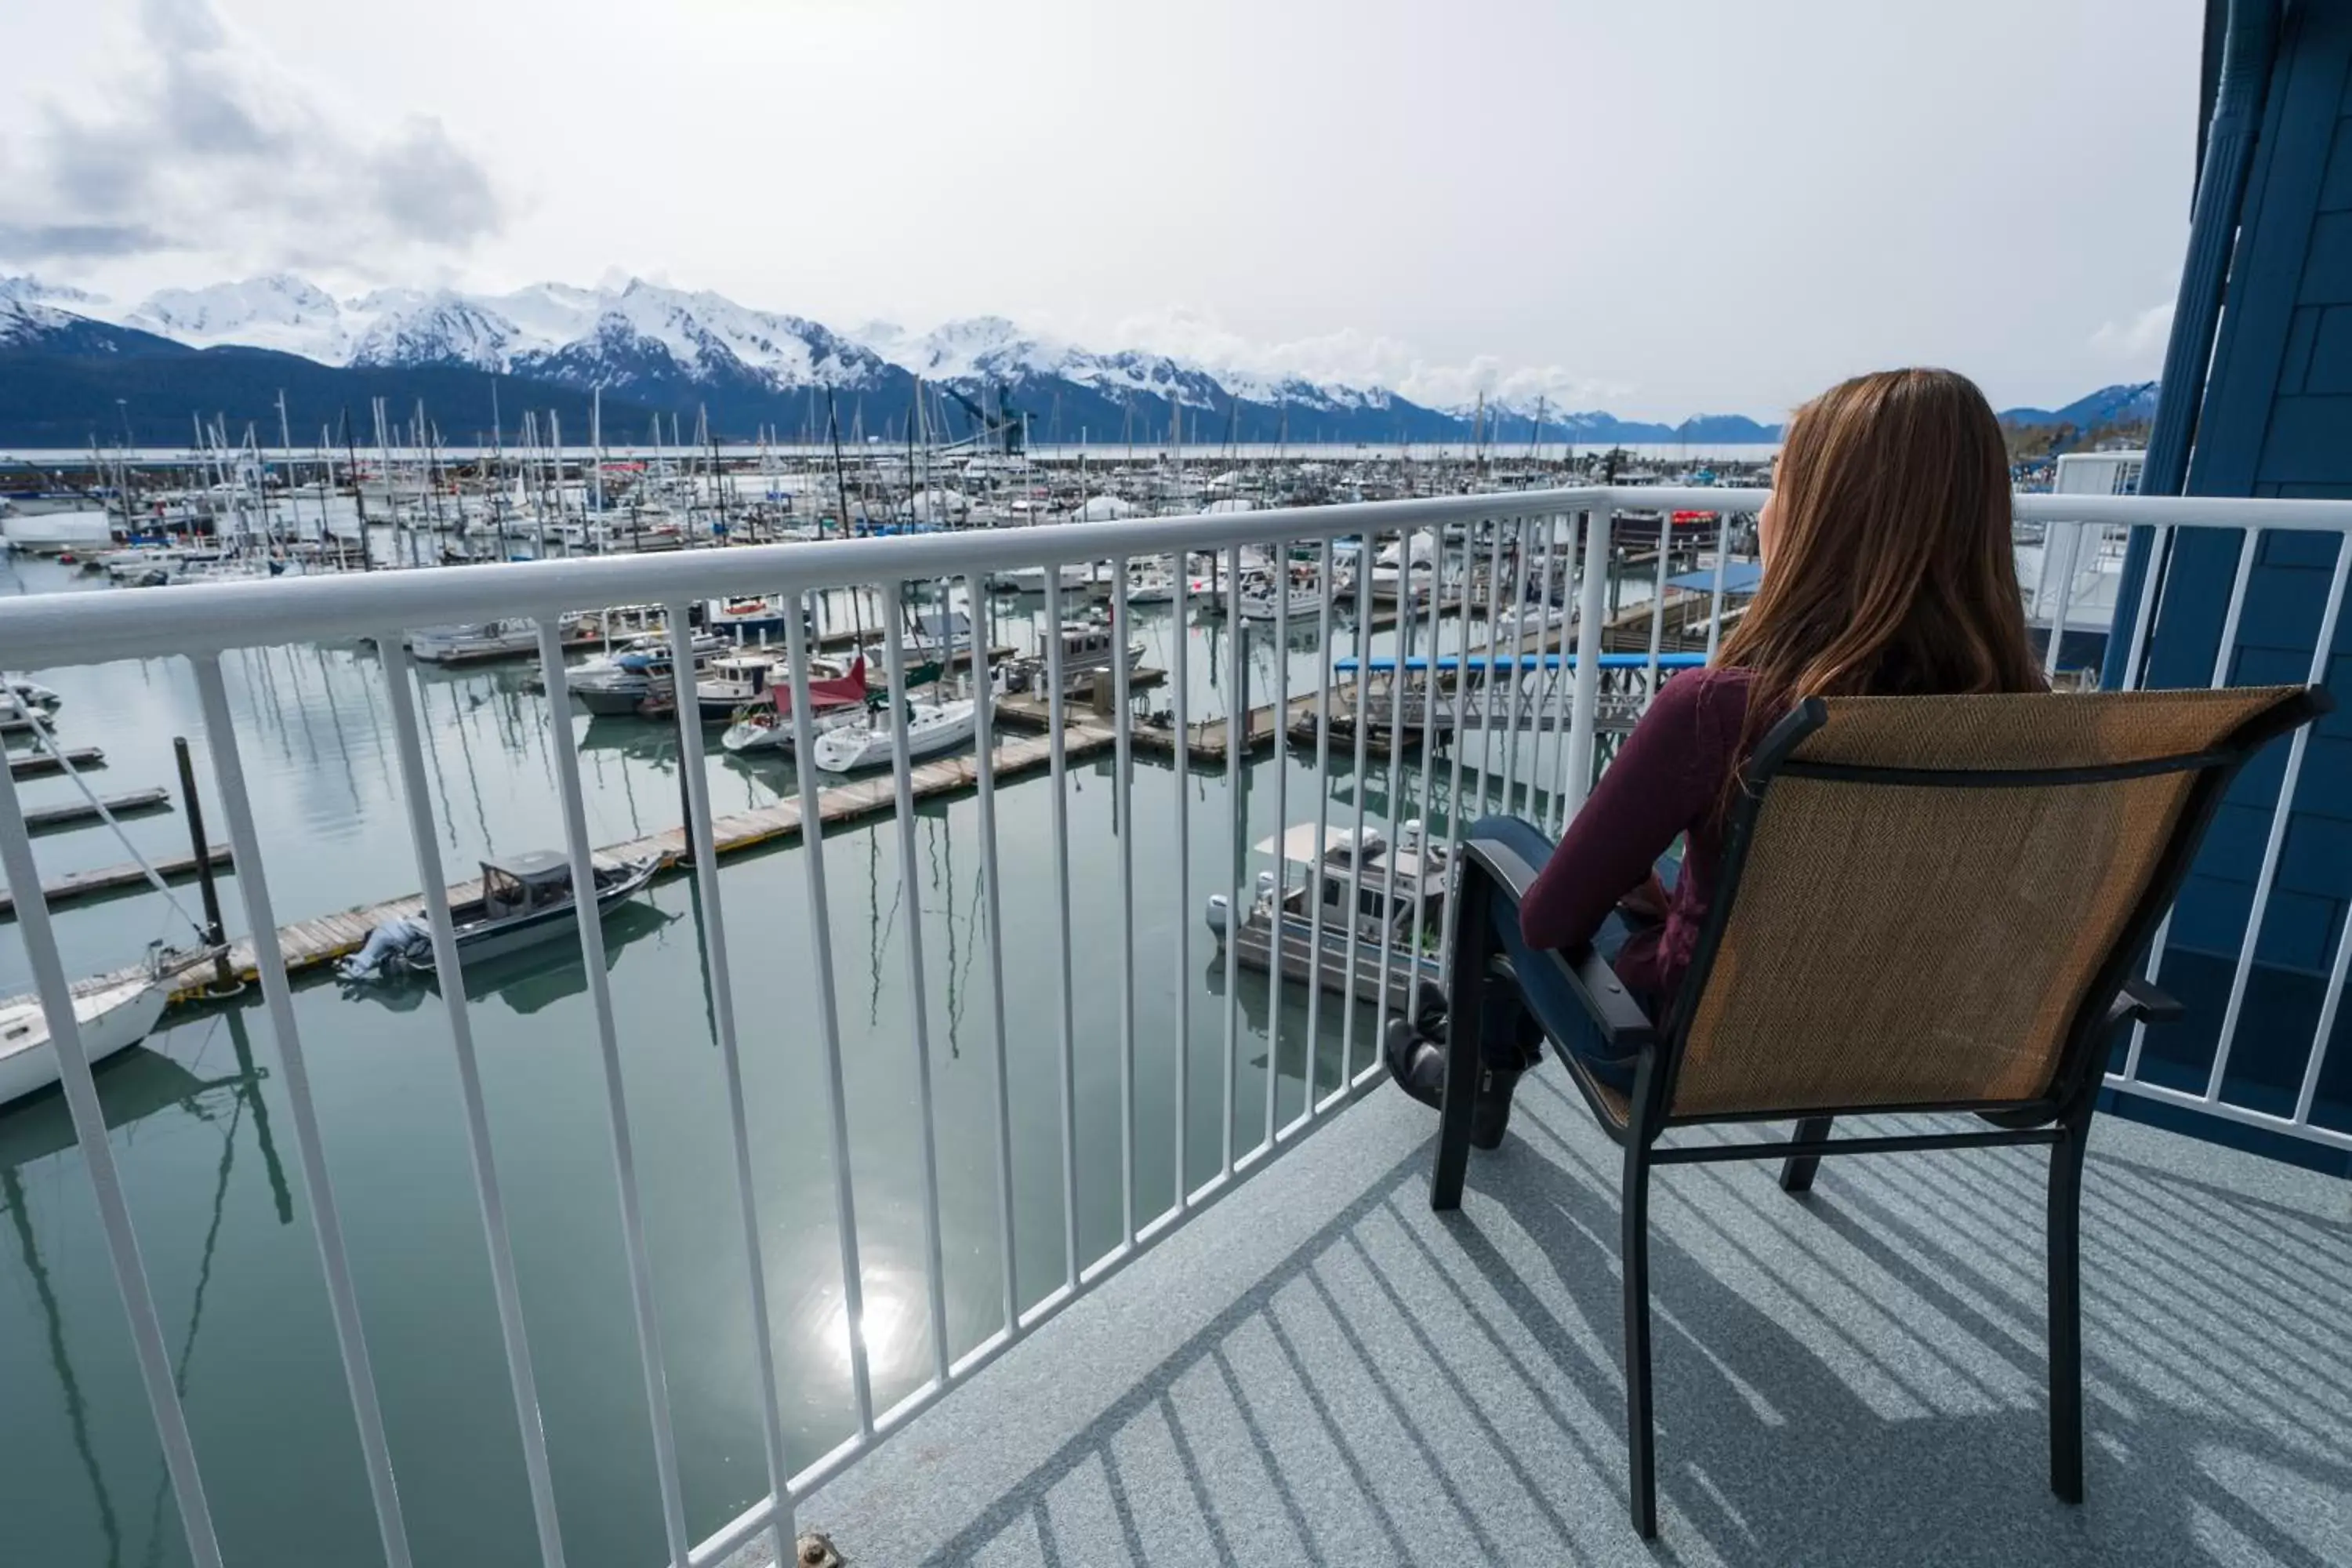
{"x":1415,"y":1053}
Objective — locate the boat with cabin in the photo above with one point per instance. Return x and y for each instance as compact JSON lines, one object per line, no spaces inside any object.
{"x":1371,"y":896}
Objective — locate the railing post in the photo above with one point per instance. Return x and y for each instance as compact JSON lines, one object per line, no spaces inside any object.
{"x":1586,"y":716}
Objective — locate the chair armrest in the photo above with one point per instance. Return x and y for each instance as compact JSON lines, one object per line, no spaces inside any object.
{"x":2141,"y":1001}
{"x":1607,"y":1003}
{"x":1611,"y":1008}
{"x":1503,"y":864}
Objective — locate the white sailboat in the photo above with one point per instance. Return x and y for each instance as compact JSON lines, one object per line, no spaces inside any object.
{"x":108,"y":1020}
{"x":931,"y":728}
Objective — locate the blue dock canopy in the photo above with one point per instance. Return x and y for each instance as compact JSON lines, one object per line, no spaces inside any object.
{"x":1523,"y":661}
{"x":1740,"y":579}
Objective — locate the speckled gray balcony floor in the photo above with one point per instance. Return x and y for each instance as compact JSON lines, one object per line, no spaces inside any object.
{"x":1322,"y":1371}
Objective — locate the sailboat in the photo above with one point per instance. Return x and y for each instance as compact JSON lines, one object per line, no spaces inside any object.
{"x":109,"y":1019}
{"x":931,"y":728}
{"x":834,"y":703}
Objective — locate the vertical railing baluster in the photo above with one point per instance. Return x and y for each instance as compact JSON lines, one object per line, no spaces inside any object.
{"x":1363,"y":644}
{"x":1281,"y":764}
{"x":1395,"y":790}
{"x":1494,"y":634}
{"x":696,"y":831}
{"x":2222,"y":651}
{"x":1586,"y":716}
{"x":1123,"y":808}
{"x":983,"y":692}
{"x":131,"y":1282}
{"x":1324,"y":675}
{"x":2144,"y":619}
{"x":1455,"y":735}
{"x":624,"y":1161}
{"x":1236,"y":842}
{"x":2065,"y":597}
{"x":1181,"y":640}
{"x":326,"y":1218}
{"x":828,"y":1013}
{"x":1538,"y":804}
{"x":1520,"y":699}
{"x":1413,"y":964}
{"x":2322,"y":652}
{"x":1715,"y":608}
{"x":902,"y":780}
{"x":1057,"y":764}
{"x":1555,"y":820}
{"x":408,"y":744}
{"x":1658,"y":596}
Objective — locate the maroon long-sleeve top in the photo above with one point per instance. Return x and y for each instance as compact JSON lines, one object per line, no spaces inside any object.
{"x":1668,"y":779}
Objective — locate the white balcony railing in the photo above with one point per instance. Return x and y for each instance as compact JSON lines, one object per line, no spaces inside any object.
{"x":1540,"y":733}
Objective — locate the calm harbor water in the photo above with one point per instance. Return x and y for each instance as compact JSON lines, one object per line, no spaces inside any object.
{"x":202,"y":1130}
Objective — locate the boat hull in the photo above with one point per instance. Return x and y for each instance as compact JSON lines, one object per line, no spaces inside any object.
{"x":109,"y":1022}
{"x":1253,"y":946}
{"x":479,"y":942}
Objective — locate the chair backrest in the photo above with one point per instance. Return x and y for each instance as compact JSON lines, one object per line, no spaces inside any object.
{"x":1930,"y":902}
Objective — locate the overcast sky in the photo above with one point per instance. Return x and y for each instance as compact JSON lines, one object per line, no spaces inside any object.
{"x":1662,"y":207}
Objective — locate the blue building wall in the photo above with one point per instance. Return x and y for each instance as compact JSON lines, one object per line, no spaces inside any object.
{"x":2275,"y":420}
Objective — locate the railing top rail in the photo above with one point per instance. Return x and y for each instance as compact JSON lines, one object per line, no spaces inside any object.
{"x":66,"y":628}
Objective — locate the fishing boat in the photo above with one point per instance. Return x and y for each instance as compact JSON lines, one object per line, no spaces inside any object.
{"x":1088,"y":647}
{"x":511,"y":638}
{"x":931,"y":728}
{"x":525,"y":899}
{"x":616,"y":685}
{"x":758,"y":618}
{"x":1360,"y":913}
{"x":729,"y":682}
{"x":835,"y":703}
{"x":32,"y":694}
{"x":110,"y":1019}
{"x":1260,"y":602}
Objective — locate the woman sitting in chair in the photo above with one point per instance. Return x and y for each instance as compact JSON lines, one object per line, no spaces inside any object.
{"x":1888,"y":571}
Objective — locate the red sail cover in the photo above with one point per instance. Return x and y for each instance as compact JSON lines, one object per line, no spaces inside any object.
{"x":848,"y":691}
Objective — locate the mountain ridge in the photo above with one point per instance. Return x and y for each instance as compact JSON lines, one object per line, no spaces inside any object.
{"x":649,"y":349}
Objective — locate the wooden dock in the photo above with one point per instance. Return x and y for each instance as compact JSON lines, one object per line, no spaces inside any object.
{"x":75,"y":887}
{"x":49,"y":819}
{"x":36,"y":764}
{"x":309,"y":945}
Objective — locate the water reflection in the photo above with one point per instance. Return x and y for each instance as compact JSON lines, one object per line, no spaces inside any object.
{"x":132,"y":1086}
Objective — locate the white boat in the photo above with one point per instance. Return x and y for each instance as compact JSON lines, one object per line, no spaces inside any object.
{"x":618,"y":684}
{"x":1371,"y":897}
{"x":467,"y":643}
{"x":729,"y":682}
{"x":941,"y":636}
{"x":525,"y":900}
{"x":110,"y":1020}
{"x":1150,"y":585}
{"x":1076,"y":576}
{"x":931,"y":728}
{"x":759,"y":727}
{"x":32,"y":694}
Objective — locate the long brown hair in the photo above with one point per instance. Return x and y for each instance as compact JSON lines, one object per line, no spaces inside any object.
{"x":1893,"y":572}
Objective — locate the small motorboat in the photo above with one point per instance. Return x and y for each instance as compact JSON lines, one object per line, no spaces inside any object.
{"x":525,"y":900}
{"x":511,"y":638}
{"x":109,"y":1019}
{"x":931,"y":728}
{"x":834,"y":704}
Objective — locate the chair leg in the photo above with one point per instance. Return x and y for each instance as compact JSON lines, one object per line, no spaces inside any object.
{"x":2065,"y":1331}
{"x":1465,"y":1010}
{"x":1796,"y":1170}
{"x":1641,"y":1437}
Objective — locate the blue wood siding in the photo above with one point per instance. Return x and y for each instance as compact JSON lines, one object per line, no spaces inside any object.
{"x":2276,"y":420}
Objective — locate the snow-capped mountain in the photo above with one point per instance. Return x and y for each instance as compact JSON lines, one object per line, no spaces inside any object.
{"x":653,"y":348}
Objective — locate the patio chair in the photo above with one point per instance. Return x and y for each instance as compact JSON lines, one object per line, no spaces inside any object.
{"x":1927,"y":904}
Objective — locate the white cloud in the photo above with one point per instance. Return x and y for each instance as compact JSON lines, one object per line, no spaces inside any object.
{"x":2138,"y":340}
{"x":203,"y":146}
